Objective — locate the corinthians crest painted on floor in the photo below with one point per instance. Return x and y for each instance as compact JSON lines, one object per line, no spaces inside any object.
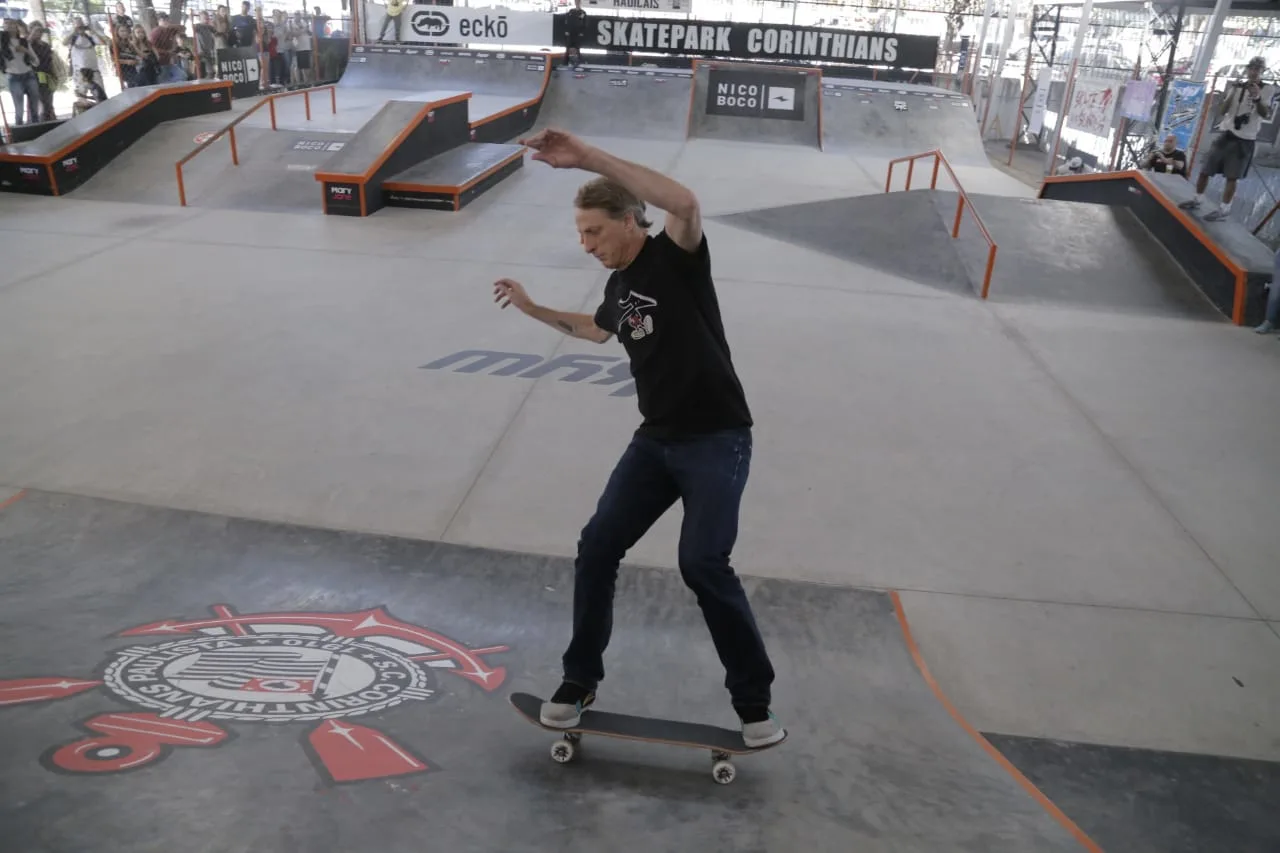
{"x":309,"y":668}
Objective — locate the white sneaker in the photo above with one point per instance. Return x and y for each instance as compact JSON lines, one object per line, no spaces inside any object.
{"x":763,"y":732}
{"x":564,"y":710}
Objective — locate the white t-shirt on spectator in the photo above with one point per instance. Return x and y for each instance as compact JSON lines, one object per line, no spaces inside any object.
{"x":83,"y":54}
{"x":17,"y":65}
{"x":302,"y":40}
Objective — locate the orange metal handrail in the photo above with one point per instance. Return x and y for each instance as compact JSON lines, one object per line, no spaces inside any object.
{"x":230,"y":129}
{"x":939,"y":159}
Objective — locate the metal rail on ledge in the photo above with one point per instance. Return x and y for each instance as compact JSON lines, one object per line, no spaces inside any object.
{"x":230,"y":130}
{"x":940,"y":160}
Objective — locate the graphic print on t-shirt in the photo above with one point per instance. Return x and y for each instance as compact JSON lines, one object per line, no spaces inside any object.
{"x":637,"y":313}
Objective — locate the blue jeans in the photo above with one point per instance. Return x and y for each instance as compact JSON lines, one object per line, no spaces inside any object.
{"x":707,"y":474}
{"x":25,"y":86}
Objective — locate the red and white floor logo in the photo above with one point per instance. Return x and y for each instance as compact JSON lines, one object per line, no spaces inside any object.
{"x":262,"y":667}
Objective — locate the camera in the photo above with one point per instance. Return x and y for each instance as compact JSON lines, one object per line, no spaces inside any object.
{"x":1241,"y":120}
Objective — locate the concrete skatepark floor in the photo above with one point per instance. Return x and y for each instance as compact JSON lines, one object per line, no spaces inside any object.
{"x":1070,"y":498}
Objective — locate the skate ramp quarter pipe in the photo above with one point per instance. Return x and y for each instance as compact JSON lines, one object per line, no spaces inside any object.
{"x":868,"y":118}
{"x":630,"y":103}
{"x":412,"y":69}
{"x":756,"y":103}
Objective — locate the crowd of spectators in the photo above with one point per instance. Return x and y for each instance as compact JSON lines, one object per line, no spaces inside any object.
{"x":36,"y":64}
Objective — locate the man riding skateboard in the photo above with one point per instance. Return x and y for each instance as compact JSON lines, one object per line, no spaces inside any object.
{"x":694,"y":444}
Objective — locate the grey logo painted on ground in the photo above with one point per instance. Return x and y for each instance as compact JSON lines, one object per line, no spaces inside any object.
{"x":577,"y":367}
{"x":753,"y":94}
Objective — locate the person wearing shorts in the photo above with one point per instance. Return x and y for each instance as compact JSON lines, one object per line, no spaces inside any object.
{"x":302,"y":53}
{"x":1245,"y":105}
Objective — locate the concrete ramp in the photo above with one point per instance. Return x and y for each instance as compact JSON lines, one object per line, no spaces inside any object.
{"x":413,"y":69}
{"x":897,"y":233}
{"x":1080,"y":255}
{"x":870,"y":118}
{"x":619,"y":102}
{"x":756,"y":103}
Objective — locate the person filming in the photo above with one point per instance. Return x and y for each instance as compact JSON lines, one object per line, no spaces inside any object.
{"x":1245,"y":105}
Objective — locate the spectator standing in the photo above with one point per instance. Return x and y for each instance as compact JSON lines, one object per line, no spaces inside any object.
{"x":245,"y":26}
{"x":303,"y":53}
{"x":19,"y":63}
{"x":127,"y":57}
{"x":1239,"y":118}
{"x":206,"y":46}
{"x":47,"y":71}
{"x":320,"y":24}
{"x":1168,"y":158}
{"x":275,"y":62}
{"x":148,"y":60}
{"x":224,"y":35}
{"x":122,"y":19}
{"x":84,"y":44}
{"x":575,"y":31}
{"x":164,"y":38}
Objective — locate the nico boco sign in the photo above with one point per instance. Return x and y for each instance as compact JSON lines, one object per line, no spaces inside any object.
{"x":756,"y":41}
{"x":756,"y":94}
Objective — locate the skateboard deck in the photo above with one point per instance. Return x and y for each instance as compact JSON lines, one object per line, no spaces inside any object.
{"x":720,"y":741}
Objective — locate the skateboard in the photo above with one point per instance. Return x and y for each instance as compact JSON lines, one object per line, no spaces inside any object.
{"x":722,"y":742}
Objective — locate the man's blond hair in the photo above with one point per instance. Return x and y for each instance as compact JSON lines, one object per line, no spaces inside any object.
{"x":614,"y":199}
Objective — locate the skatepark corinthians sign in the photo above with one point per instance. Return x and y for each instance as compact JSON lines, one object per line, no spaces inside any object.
{"x":759,"y":41}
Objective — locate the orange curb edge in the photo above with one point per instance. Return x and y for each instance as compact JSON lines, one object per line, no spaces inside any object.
{"x":13,"y":500}
{"x":1036,"y":794}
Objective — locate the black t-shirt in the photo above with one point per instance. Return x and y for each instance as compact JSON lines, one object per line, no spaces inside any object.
{"x":664,"y":310}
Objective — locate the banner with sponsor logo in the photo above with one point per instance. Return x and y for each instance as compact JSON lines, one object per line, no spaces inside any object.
{"x":756,"y":94}
{"x":460,"y":25}
{"x":756,"y":41}
{"x":243,"y":68}
{"x":1093,"y":103}
{"x":685,"y":6}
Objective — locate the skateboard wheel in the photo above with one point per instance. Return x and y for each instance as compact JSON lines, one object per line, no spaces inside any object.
{"x":562,"y":751}
{"x":723,"y":772}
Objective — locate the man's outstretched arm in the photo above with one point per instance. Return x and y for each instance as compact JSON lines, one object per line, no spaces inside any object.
{"x":684,"y":217}
{"x":565,"y":151}
{"x":507,"y":292}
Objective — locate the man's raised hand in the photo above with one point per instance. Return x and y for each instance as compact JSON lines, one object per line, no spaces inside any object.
{"x":508,"y":292}
{"x":557,"y":149}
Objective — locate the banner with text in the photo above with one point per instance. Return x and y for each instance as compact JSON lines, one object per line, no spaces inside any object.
{"x":243,"y":68}
{"x":685,"y":6}
{"x":460,"y":25}
{"x":756,"y":41}
{"x":751,"y":93}
{"x":1093,"y":103}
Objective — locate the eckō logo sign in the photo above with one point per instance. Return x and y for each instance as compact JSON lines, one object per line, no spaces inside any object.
{"x":429,"y":24}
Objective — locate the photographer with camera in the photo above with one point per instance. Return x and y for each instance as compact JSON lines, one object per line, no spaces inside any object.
{"x":1245,"y":105}
{"x":84,"y":44}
